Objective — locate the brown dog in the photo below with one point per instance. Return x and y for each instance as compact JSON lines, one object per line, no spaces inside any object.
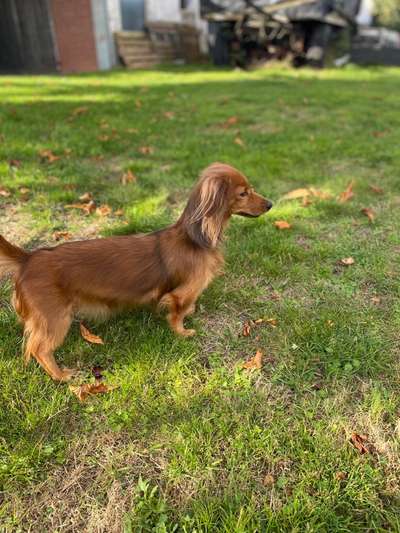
{"x":169,"y":268}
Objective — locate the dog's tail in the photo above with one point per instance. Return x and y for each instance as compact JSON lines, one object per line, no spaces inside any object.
{"x":11,"y":257}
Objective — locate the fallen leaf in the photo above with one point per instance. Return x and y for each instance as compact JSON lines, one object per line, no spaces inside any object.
{"x":282,"y":224}
{"x":89,"y":336}
{"x":375,"y":300}
{"x":246,"y":329}
{"x":128,"y":177}
{"x":347,"y":194}
{"x":67,"y":151}
{"x":239,"y":141}
{"x":231,"y":121}
{"x":358,"y":442}
{"x":104,"y":210}
{"x":379,"y":134}
{"x":89,"y":207}
{"x":320,"y":194}
{"x":132,"y":130}
{"x":347,"y":261}
{"x":4,"y":192}
{"x":269,"y":480}
{"x":48,"y":154}
{"x":330,"y":323}
{"x":138,"y":103}
{"x":86,"y":197}
{"x":340,"y":476}
{"x":90,"y":389}
{"x":79,"y":111}
{"x":104,"y":125}
{"x":119,"y":213}
{"x":375,"y":189}
{"x":14,"y":163}
{"x":296,"y":193}
{"x":146,"y":150}
{"x":104,"y":138}
{"x":165,"y":168}
{"x":169,"y":115}
{"x":368,"y":212}
{"x":306,"y":202}
{"x":254,"y":362}
{"x":24,"y":191}
{"x":258,"y":321}
{"x":58,"y":235}
{"x":271,"y":321}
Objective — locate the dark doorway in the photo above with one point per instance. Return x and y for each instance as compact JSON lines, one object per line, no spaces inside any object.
{"x":132,"y":14}
{"x":26,"y":40}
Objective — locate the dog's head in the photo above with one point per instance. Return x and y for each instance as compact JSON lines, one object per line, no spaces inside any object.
{"x":222,"y":191}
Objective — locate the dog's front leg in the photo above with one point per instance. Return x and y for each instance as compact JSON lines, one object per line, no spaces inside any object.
{"x":180,"y":303}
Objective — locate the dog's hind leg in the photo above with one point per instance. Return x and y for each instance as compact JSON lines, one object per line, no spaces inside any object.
{"x":46,"y":319}
{"x":43,"y":336}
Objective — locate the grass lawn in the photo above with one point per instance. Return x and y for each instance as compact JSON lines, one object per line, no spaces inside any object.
{"x":189,"y":441}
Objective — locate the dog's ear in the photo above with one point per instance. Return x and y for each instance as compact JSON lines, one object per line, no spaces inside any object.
{"x":206,"y":211}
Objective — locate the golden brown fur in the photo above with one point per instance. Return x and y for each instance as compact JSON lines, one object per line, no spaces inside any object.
{"x":169,"y":268}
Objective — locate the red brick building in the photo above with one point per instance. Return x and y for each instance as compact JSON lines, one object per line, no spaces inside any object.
{"x":55,"y":35}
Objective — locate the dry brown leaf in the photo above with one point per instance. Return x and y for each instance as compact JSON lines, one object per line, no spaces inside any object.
{"x":296,"y":193}
{"x":119,"y":213}
{"x":347,"y":194}
{"x":375,"y":189}
{"x":330,"y":323}
{"x":246,"y":329}
{"x":340,"y":476}
{"x":86,"y":197}
{"x":254,"y":362}
{"x":132,"y":130}
{"x":90,"y":389}
{"x":231,"y":121}
{"x":138,"y":103}
{"x":14,"y":163}
{"x":239,"y":141}
{"x":128,"y":177}
{"x":79,"y":111}
{"x":169,"y":115}
{"x":24,"y":190}
{"x":104,"y":138}
{"x":89,"y":336}
{"x":146,"y":150}
{"x":347,"y":261}
{"x":358,"y":442}
{"x":282,"y":224}
{"x":368,"y":212}
{"x":58,"y":235}
{"x":271,"y":321}
{"x":375,"y":300}
{"x":4,"y":192}
{"x":269,"y":480}
{"x":104,"y":210}
{"x":48,"y":154}
{"x":258,"y":321}
{"x":320,"y":194}
{"x":89,"y":207}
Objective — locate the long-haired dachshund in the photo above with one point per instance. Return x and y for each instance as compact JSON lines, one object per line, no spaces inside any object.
{"x":169,"y":268}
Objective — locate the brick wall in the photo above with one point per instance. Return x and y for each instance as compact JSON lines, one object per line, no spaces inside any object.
{"x":74,"y":35}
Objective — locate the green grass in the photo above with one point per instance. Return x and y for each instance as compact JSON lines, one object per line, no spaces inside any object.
{"x":187,"y":440}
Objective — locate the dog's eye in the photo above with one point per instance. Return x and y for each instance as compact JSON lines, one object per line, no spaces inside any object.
{"x":243,"y":194}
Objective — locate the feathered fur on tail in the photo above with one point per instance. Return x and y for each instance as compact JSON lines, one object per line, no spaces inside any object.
{"x":11,"y":257}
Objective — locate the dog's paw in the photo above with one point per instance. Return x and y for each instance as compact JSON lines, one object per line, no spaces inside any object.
{"x":67,"y":374}
{"x":187,"y":332}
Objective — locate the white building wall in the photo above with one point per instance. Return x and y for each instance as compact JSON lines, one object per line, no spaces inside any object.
{"x":114,"y":15}
{"x":163,"y":10}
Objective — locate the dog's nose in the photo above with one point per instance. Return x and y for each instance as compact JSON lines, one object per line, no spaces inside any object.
{"x":268,"y":205}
